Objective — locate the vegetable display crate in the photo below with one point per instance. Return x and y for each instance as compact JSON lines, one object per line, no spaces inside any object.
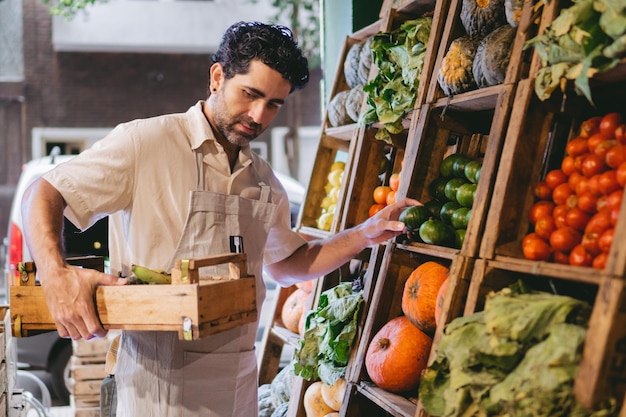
{"x":192,"y":306}
{"x":601,"y":372}
{"x":383,"y":304}
{"x":360,"y":268}
{"x":538,"y":142}
{"x":337,"y":141}
{"x":474,"y":128}
{"x":493,"y":55}
{"x":373,"y":164}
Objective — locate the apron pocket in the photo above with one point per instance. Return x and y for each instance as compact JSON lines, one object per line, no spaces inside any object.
{"x":212,"y":382}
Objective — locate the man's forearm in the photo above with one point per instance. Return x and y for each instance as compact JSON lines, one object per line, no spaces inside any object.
{"x":42,"y":214}
{"x":318,"y":257}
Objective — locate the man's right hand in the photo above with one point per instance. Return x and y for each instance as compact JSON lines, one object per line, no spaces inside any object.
{"x":70,"y":295}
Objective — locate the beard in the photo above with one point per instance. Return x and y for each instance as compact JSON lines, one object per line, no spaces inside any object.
{"x":230,"y":127}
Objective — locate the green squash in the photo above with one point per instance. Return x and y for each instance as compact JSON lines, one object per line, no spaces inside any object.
{"x":480,"y":17}
{"x":492,"y":57}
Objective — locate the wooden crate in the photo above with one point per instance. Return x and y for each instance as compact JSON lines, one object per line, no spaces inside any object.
{"x":366,"y":174}
{"x":191,"y":306}
{"x":383,"y":303}
{"x":336,"y":144}
{"x":474,"y":126}
{"x":453,"y":28}
{"x":535,"y":144}
{"x":601,"y":372}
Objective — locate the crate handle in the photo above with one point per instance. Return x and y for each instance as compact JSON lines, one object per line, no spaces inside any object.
{"x":186,"y":271}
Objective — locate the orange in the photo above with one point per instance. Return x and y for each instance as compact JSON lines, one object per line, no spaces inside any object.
{"x":380,"y":194}
{"x":394,"y":181}
{"x":375,"y":208}
{"x":391,"y":198}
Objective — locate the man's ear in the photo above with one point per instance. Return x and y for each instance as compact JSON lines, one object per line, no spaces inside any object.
{"x":216,"y":77}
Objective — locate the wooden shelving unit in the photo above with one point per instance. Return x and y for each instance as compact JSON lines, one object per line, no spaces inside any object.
{"x":506,"y":127}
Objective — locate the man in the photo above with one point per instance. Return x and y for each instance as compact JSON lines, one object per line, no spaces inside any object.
{"x":183,"y":186}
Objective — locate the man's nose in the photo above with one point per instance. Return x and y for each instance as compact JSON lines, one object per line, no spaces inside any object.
{"x":258,"y":111}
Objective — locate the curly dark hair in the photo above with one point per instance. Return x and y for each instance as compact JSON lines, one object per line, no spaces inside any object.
{"x":274,"y":45}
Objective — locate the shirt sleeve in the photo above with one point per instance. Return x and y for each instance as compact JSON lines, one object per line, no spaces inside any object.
{"x":282,"y":241}
{"x":98,"y":181}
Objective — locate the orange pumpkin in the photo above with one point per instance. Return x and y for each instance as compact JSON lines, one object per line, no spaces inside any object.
{"x":397,"y":355}
{"x":441,"y":295}
{"x":306,"y":285}
{"x":293,"y":309}
{"x":419,"y":298}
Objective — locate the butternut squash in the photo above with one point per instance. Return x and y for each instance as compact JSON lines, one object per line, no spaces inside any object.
{"x":333,"y":394}
{"x":314,"y":405}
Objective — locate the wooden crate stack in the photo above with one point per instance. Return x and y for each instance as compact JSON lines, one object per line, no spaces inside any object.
{"x":507,"y":129}
{"x":88,"y":372}
{"x":6,"y":382}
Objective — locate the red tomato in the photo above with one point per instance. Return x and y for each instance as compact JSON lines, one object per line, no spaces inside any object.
{"x":609,"y":123}
{"x":561,"y":192}
{"x":615,"y":156}
{"x":542,"y":191}
{"x":603,"y":147}
{"x":558,"y":214}
{"x":606,"y":240}
{"x":577,"y":146}
{"x":614,"y":200}
{"x":536,"y":249}
{"x":593,"y":185}
{"x":539,"y":209}
{"x":544,"y":226}
{"x":564,"y":239}
{"x":591,"y":165}
{"x":590,"y":242}
{"x":599,"y":262}
{"x":607,"y":183}
{"x":590,"y":126}
{"x":568,"y":165}
{"x":580,"y":257}
{"x":587,"y":202}
{"x":594,"y":140}
{"x":560,"y":258}
{"x":599,"y":222}
{"x":577,"y":218}
{"x":577,"y":182}
{"x":555,"y":177}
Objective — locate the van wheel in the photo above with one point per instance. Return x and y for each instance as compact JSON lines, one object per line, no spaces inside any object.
{"x":60,"y":373}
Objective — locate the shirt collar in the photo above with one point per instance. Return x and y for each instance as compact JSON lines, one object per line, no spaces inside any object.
{"x":201,"y":131}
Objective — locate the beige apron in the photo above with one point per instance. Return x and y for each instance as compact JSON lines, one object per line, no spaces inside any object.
{"x":160,"y":376}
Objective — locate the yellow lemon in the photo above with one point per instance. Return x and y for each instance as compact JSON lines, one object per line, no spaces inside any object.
{"x":334,"y":194}
{"x":334,"y":177}
{"x":325,"y":221}
{"x":327,"y":202}
{"x":337,"y":165}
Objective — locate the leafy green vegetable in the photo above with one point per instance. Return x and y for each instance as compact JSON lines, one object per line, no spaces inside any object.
{"x":518,"y":357}
{"x":329,"y":331}
{"x":584,"y":39}
{"x":399,"y":56}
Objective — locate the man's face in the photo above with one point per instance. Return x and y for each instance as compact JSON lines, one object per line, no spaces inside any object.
{"x":246,"y":104}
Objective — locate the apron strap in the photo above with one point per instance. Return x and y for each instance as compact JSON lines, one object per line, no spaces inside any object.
{"x":199,"y":166}
{"x":265,"y":193}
